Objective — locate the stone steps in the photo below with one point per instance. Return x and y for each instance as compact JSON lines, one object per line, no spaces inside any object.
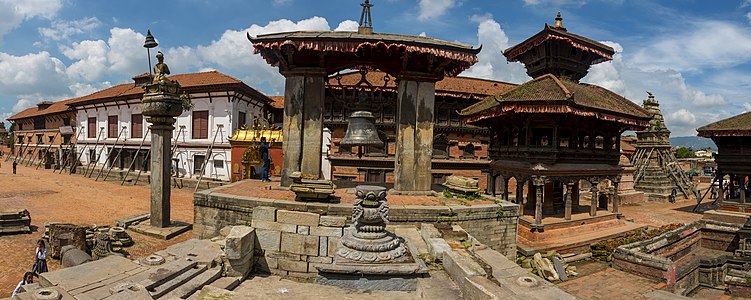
{"x":15,"y":221}
{"x":196,"y":283}
{"x":177,"y":281}
{"x":158,"y":275}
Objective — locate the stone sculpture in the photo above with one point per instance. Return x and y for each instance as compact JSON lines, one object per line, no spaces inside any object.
{"x":369,"y":242}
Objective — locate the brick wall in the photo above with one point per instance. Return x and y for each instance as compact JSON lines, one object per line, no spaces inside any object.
{"x":493,"y":224}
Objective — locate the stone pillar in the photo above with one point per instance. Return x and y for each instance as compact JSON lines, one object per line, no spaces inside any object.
{"x":616,"y":200}
{"x":539,"y":182}
{"x":304,"y":94}
{"x":593,"y":205}
{"x":490,"y":179}
{"x":569,"y":193}
{"x":161,"y":105}
{"x":414,"y":138}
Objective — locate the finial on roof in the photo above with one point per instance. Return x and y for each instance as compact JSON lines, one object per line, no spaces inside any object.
{"x":559,"y":21}
{"x":366,"y":21}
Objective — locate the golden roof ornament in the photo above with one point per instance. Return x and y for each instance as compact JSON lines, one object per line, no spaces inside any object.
{"x":559,"y":21}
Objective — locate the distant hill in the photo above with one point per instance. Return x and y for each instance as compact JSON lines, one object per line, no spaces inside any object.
{"x":693,"y":142}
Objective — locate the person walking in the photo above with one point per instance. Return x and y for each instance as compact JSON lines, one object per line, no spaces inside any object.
{"x":28,"y":278}
{"x":15,"y":164}
{"x":40,"y":259}
{"x":264,"y":149}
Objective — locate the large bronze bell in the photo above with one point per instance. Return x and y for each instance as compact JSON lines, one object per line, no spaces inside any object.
{"x":361,"y":131}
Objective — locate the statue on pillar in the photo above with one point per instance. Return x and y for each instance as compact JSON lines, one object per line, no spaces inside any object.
{"x":161,"y":70}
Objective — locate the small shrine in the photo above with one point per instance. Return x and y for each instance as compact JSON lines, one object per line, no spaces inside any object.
{"x":732,"y":136}
{"x":246,"y":156}
{"x":657,"y":172}
{"x":553,"y":132}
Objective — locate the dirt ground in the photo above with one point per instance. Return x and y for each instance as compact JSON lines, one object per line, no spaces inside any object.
{"x":74,"y":199}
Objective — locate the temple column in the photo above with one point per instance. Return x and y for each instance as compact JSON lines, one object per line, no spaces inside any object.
{"x":569,"y":193}
{"x":593,"y":204}
{"x":414,"y":138}
{"x":505,"y":188}
{"x":616,"y":199}
{"x":491,"y":184}
{"x":520,"y":195}
{"x":539,"y":182}
{"x":304,"y":95}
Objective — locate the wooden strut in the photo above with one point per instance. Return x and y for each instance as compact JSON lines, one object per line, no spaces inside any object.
{"x":101,"y":131}
{"x":711,"y":186}
{"x":678,"y":176}
{"x":48,"y":150}
{"x":21,"y":149}
{"x":112,"y":164}
{"x":98,"y":154}
{"x":175,"y":182}
{"x":208,"y":156}
{"x":109,"y":154}
{"x":72,"y":149}
{"x":641,"y":161}
{"x":133,"y":162}
{"x":31,"y":157}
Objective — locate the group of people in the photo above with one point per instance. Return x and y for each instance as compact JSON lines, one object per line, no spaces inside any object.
{"x":40,"y":266}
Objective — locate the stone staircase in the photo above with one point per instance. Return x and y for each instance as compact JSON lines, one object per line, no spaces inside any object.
{"x":15,"y":221}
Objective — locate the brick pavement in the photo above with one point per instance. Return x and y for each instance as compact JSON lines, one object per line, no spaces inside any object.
{"x":610,"y":284}
{"x":73,"y":199}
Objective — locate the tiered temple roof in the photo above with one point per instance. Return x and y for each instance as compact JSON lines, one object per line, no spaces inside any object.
{"x":739,"y":125}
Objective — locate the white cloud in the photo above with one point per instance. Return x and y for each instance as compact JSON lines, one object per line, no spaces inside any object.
{"x":22,"y":104}
{"x":64,"y":30}
{"x":430,"y":9}
{"x":491,"y":64}
{"x":555,"y":2}
{"x":347,"y":25}
{"x":748,"y":16}
{"x":15,"y":12}
{"x":747,"y":106}
{"x":281,"y":2}
{"x":126,"y":55}
{"x":91,"y":60}
{"x":81,"y":89}
{"x":703,"y":44}
{"x":234,"y":53}
{"x":682,"y":117}
{"x":34,"y":73}
{"x":423,"y":34}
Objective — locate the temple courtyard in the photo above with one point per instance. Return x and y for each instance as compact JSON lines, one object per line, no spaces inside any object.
{"x":51,"y":197}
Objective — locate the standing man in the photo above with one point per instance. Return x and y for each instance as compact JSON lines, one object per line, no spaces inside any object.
{"x":264,"y":149}
{"x":15,"y":163}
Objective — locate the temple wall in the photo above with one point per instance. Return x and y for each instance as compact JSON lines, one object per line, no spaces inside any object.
{"x":493,"y":224}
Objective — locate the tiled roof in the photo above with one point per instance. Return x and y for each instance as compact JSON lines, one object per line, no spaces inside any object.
{"x":54,"y":108}
{"x":451,"y":86}
{"x":548,"y":90}
{"x":739,"y":125}
{"x":187,"y":81}
{"x":277,"y":102}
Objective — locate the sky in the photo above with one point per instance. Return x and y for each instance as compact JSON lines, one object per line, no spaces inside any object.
{"x":693,"y":55}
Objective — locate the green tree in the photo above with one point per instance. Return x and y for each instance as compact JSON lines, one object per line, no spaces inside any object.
{"x":684,"y":152}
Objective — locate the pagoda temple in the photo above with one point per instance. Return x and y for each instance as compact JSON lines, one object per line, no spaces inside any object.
{"x":553,"y":132}
{"x":733,"y":137}
{"x":657,"y":171}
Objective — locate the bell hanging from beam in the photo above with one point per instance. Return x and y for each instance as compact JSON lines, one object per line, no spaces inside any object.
{"x":361,"y":131}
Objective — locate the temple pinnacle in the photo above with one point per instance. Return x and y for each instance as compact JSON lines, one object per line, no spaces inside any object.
{"x":366,"y":21}
{"x":559,"y":21}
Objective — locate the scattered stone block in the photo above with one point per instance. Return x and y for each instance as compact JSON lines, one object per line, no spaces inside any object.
{"x":227,"y":283}
{"x":264,"y":213}
{"x":297,"y":218}
{"x":72,"y":256}
{"x":239,"y":242}
{"x":326,"y":231}
{"x":292,"y":243}
{"x":428,"y":231}
{"x":268,"y":240}
{"x":203,"y":252}
{"x":15,"y":221}
{"x":460,"y":267}
{"x":130,"y":220}
{"x":437,"y":247}
{"x":331,"y":221}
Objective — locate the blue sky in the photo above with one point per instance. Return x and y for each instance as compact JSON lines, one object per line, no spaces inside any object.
{"x":694,"y":55}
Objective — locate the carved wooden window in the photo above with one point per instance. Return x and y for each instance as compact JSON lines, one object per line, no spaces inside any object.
{"x":455,"y":120}
{"x":136,"y":124}
{"x":201,"y":124}
{"x":443,"y":116}
{"x":542,"y":136}
{"x":91,"y":131}
{"x":388,"y":113}
{"x":440,"y":146}
{"x":469,"y":151}
{"x":564,"y":141}
{"x":240,"y":119}
{"x":112,"y":127}
{"x":516,"y":138}
{"x":338,"y":112}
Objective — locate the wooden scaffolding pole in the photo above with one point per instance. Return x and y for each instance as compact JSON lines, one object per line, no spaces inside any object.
{"x":109,"y":153}
{"x":135,"y":156}
{"x":48,"y":150}
{"x":208,"y":155}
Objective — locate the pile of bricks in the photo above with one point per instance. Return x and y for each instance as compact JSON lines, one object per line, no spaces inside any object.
{"x":291,"y":243}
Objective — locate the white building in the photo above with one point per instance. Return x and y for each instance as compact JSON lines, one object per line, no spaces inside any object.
{"x":112,"y":126}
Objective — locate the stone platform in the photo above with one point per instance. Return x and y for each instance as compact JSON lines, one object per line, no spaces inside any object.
{"x":15,"y":221}
{"x":166,"y":233}
{"x":571,"y":236}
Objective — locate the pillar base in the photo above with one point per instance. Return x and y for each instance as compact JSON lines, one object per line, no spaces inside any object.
{"x":165,"y":233}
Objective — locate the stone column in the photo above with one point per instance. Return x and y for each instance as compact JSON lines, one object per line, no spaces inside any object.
{"x":414,"y":138}
{"x":569,"y":193}
{"x":616,"y":200}
{"x":539,"y":182}
{"x":304,"y":94}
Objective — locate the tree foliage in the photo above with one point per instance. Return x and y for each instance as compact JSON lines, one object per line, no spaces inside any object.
{"x":684,"y":152}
